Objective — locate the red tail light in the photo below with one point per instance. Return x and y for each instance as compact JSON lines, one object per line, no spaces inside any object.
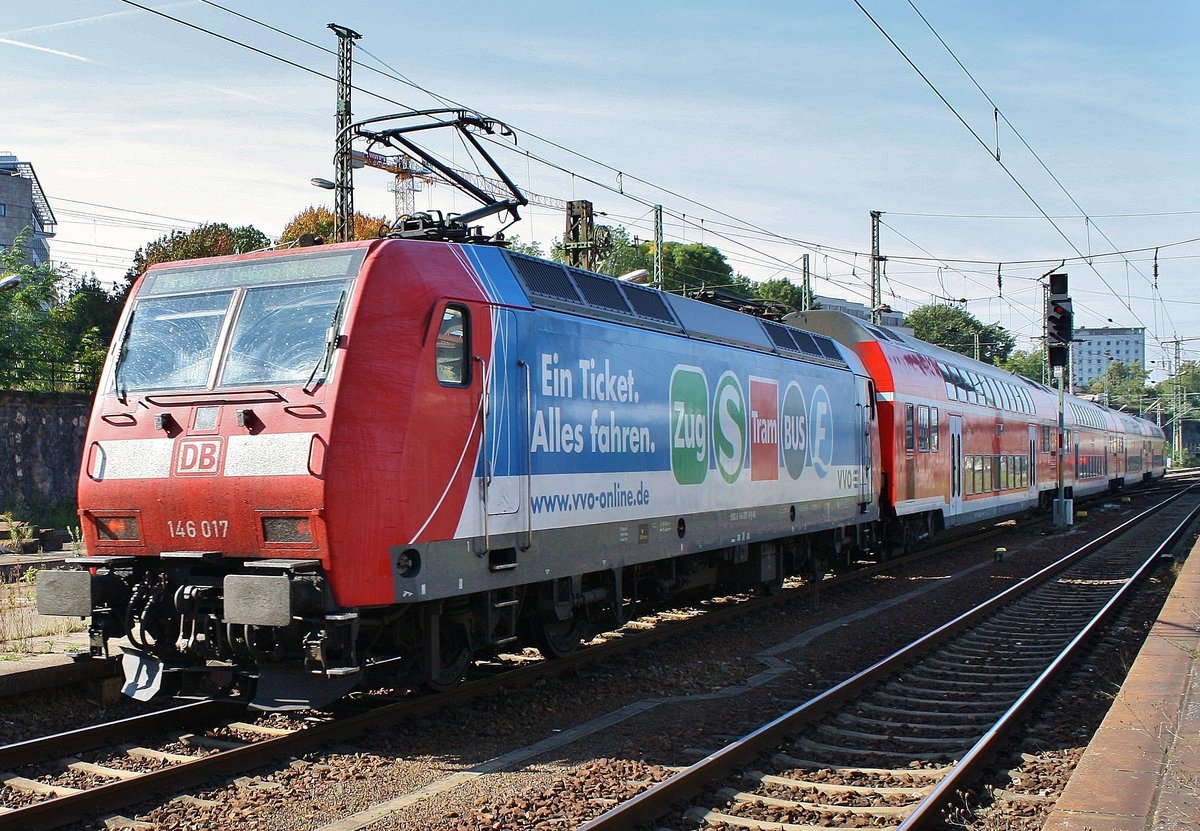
{"x":117,"y":528}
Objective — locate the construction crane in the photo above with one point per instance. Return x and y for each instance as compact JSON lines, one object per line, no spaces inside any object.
{"x":408,"y":173}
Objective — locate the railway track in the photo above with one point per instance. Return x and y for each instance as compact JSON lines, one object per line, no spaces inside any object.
{"x":90,"y":771}
{"x":891,"y":746}
{"x":55,"y":780}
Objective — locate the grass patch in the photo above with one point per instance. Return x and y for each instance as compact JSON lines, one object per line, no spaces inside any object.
{"x":22,"y":630}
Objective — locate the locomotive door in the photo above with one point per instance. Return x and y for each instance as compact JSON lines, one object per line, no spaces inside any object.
{"x":506,"y":461}
{"x":956,"y":465}
{"x":865,"y":410}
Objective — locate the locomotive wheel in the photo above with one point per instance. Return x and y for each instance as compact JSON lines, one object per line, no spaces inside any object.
{"x":773,"y":586}
{"x":454,"y":658}
{"x":558,"y":638}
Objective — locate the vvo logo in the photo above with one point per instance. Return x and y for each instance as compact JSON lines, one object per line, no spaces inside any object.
{"x":198,"y":457}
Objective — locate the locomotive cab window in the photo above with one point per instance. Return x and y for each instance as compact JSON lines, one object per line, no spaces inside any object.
{"x":264,"y":322}
{"x":453,"y":348}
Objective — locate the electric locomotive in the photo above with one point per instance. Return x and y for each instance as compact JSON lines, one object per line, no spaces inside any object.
{"x":400,"y":455}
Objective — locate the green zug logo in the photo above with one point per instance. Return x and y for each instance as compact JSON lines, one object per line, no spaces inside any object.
{"x":689,"y":425}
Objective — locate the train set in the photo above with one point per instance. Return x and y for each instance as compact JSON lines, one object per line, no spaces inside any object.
{"x":403,"y":455}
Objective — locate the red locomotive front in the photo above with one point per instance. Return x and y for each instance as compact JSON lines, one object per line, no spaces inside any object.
{"x":227,"y":511}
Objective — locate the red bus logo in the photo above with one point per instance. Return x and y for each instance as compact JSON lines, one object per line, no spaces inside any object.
{"x":198,"y":457}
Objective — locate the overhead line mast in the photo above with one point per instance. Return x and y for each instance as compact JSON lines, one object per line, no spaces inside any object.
{"x":343,"y":185}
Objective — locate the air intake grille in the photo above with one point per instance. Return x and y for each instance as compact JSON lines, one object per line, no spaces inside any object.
{"x":602,"y":292}
{"x":545,"y":279}
{"x":780,"y":336}
{"x":827,"y":348}
{"x":648,"y":304}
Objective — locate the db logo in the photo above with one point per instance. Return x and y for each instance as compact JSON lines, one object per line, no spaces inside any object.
{"x":198,"y":457}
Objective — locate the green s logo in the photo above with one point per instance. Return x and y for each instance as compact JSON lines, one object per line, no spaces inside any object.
{"x":729,"y":427}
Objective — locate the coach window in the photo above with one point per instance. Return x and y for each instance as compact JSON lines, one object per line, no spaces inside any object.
{"x":945,"y":370}
{"x":453,"y":346}
{"x":923,"y":429}
{"x":908,"y":427}
{"x":933,"y":429}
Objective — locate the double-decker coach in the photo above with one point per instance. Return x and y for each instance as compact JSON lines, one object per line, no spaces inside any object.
{"x":964,"y":441}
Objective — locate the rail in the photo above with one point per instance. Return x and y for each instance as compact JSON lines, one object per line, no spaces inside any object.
{"x":659,"y":800}
{"x":74,"y":807}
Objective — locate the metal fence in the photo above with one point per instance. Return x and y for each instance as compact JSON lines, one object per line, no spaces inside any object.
{"x":41,"y":375}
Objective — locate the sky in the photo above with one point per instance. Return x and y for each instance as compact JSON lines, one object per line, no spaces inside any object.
{"x":767,"y":129}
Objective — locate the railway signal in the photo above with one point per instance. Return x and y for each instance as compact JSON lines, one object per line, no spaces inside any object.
{"x":1059,"y":321}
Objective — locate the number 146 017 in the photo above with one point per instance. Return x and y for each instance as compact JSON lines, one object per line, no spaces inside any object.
{"x":203,"y":529}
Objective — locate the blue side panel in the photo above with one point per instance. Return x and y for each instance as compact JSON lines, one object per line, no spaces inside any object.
{"x":496,"y":274}
{"x":593,"y":421}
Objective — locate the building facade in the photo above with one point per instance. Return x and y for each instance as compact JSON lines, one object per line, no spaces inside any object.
{"x":860,"y":310}
{"x":1093,"y":350}
{"x":24,"y":205}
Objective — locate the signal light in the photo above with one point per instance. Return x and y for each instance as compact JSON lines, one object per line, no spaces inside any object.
{"x":1060,"y":320}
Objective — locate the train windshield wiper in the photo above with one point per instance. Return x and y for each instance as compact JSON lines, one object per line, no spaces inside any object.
{"x":122,"y":393}
{"x":331,"y":341}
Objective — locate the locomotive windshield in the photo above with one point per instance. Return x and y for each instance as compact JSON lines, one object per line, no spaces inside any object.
{"x":248,"y":324}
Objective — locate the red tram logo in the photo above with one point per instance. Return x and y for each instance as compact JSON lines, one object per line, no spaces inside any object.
{"x":198,"y":457}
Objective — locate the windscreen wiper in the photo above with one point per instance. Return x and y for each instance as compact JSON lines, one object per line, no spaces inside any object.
{"x":122,"y":393}
{"x":331,"y":341}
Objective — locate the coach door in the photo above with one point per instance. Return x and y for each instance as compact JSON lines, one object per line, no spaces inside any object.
{"x":956,"y":465}
{"x":1033,"y":446}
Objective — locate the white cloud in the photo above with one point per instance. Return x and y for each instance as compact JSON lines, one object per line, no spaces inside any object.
{"x":57,"y":52}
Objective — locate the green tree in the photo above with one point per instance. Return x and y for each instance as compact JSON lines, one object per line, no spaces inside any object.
{"x":53,"y":323}
{"x":210,"y":240}
{"x":25,"y":332}
{"x":85,"y":318}
{"x":686,"y":266}
{"x":1188,"y":378}
{"x":958,"y":330}
{"x":622,"y":256}
{"x":782,"y":290}
{"x":619,"y":256}
{"x":1186,"y":381}
{"x":1030,"y":364}
{"x":533,"y":249}
{"x":1123,"y":387}
{"x":319,"y":222}
{"x":693,"y":265}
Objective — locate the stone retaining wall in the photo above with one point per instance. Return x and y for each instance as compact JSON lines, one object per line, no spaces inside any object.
{"x":41,"y":443}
